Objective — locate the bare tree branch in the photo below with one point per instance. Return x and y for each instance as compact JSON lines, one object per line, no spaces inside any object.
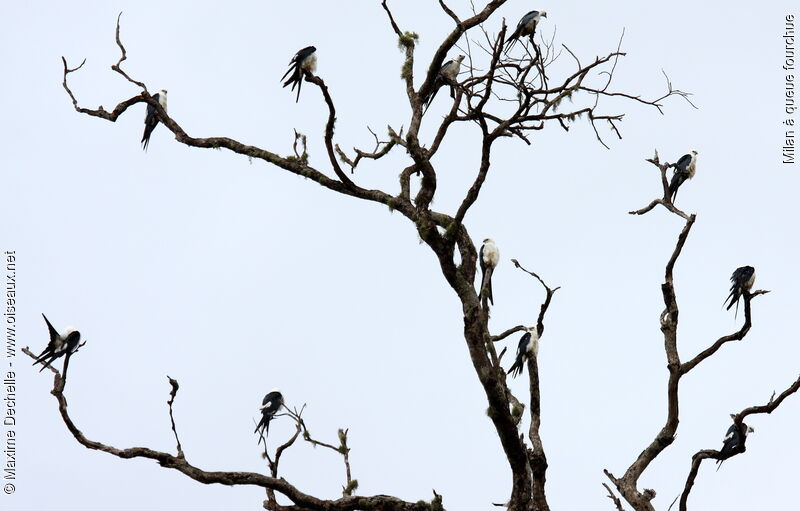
{"x":292,"y":164}
{"x":737,"y":421}
{"x":172,"y":394}
{"x":736,"y":336}
{"x":376,"y":154}
{"x":179,"y":463}
{"x":350,"y":484}
{"x":665,"y":199}
{"x":614,"y":498}
{"x":627,"y":485}
{"x":483,"y":99}
{"x":771,"y":405}
{"x":549,"y":296}
{"x":124,"y":56}
{"x":510,"y":331}
{"x":449,"y":12}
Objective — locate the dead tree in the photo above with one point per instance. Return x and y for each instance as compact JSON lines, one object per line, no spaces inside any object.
{"x":627,"y":485}
{"x":502,"y":94}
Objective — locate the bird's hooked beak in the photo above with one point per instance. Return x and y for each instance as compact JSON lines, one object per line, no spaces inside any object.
{"x":543,"y":14}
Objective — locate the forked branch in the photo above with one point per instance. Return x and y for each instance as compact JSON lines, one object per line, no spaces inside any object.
{"x":699,"y":456}
{"x":280,"y":485}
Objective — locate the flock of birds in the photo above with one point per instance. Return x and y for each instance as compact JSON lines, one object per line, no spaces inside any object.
{"x":742,"y":281}
{"x":305,"y":61}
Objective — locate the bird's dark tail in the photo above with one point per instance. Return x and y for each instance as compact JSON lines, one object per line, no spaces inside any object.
{"x":730,"y":299}
{"x":733,"y":298}
{"x":486,"y":286}
{"x":436,"y":85}
{"x":516,"y":368}
{"x":299,"y":84}
{"x":259,"y":425}
{"x":513,"y":39}
{"x":41,"y":356}
{"x":677,"y":179}
{"x":292,"y":70}
{"x":719,"y":464}
{"x":148,"y":130}
{"x":295,"y":75}
{"x":45,"y":361}
{"x":263,"y":425}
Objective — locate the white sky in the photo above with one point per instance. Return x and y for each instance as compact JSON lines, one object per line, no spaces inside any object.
{"x":235,"y":277}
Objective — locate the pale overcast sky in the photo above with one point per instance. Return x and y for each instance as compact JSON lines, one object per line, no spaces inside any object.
{"x":235,"y":277}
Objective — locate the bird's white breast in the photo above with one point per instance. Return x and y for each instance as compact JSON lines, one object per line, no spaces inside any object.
{"x":491,"y":255}
{"x":451,"y":71}
{"x":692,"y":166}
{"x":752,"y":280}
{"x":310,"y":63}
{"x":533,"y":346}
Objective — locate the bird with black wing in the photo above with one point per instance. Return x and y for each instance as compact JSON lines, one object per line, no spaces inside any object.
{"x":60,"y":344}
{"x":742,"y":281}
{"x":303,"y":61}
{"x":270,"y":405}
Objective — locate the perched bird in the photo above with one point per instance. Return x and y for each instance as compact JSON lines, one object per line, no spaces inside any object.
{"x":526,"y":26}
{"x":734,"y":438}
{"x":489,"y":257}
{"x":684,"y":169}
{"x":151,"y":119}
{"x":270,"y":405}
{"x":448,"y":74}
{"x":303,"y":60}
{"x":742,"y":282}
{"x":59,"y":345}
{"x":528,"y":347}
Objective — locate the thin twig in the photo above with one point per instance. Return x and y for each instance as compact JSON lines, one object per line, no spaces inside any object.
{"x":614,"y":498}
{"x":172,"y":395}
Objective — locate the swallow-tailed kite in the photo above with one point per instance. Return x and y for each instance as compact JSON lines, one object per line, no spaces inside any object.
{"x":304,"y":60}
{"x":527,"y":26}
{"x":684,"y":170}
{"x":528,"y":347}
{"x":448,"y":74}
{"x":489,"y":257}
{"x":269,"y":407}
{"x":151,"y":119}
{"x":59,"y":345}
{"x":734,"y":438}
{"x":742,"y":282}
